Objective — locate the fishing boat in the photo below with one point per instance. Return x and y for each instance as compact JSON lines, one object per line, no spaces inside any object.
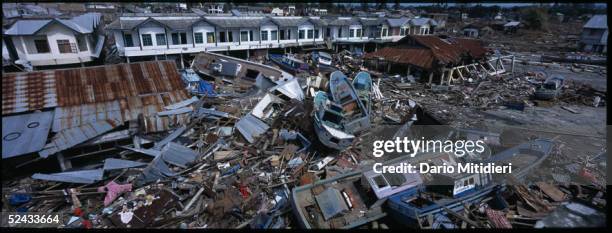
{"x":550,"y":89}
{"x":363,"y":85}
{"x":328,"y":123}
{"x":288,"y":63}
{"x":339,"y":114}
{"x":448,"y":193}
{"x":355,"y":114}
{"x":348,"y":200}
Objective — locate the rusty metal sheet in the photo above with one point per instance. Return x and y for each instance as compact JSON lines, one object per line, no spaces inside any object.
{"x":79,"y":86}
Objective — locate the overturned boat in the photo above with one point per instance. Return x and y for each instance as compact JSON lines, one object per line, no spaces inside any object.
{"x":288,"y":63}
{"x":448,"y":193}
{"x":363,"y":85}
{"x":339,"y":114}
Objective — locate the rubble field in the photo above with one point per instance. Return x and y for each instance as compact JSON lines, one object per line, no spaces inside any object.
{"x":241,"y":143}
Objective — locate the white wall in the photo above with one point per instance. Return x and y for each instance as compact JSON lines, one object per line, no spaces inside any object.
{"x":152,"y":29}
{"x":203,"y":28}
{"x":267,"y":28}
{"x":26,"y":48}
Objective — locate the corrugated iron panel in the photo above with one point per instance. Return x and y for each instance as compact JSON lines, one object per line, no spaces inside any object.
{"x":123,"y":110}
{"x":70,"y":87}
{"x":74,"y":136}
{"x":25,"y":133}
{"x":28,"y":91}
{"x":414,"y":56}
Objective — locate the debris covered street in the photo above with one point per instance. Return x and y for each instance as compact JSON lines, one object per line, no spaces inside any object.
{"x":285,"y":140}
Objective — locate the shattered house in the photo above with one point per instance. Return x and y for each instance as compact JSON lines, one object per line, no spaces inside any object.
{"x":426,"y":57}
{"x":47,"y":112}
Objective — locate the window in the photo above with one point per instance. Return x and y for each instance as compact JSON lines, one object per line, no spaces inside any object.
{"x":327,"y":32}
{"x":146,"y":40}
{"x":199,"y":38}
{"x":230,"y":36}
{"x":175,"y":38}
{"x":301,"y":34}
{"x":385,"y":32}
{"x":222,"y":37}
{"x":339,"y":32}
{"x":82,"y":42}
{"x":160,"y":38}
{"x":251,"y":38}
{"x":210,"y":37}
{"x":402,"y":31}
{"x":264,"y":35}
{"x":317,"y":33}
{"x":127,"y":40}
{"x":183,"y":37}
{"x":282,"y":35}
{"x":310,"y":33}
{"x":352,"y":32}
{"x":42,"y":45}
{"x":274,"y":35}
{"x":288,"y":34}
{"x":244,"y":36}
{"x":359,"y":33}
{"x":64,"y":46}
{"x":471,"y":181}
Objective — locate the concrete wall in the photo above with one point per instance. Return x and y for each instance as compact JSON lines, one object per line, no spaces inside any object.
{"x":26,"y":48}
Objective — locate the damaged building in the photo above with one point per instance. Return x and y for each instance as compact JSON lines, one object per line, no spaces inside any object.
{"x":51,"y":111}
{"x":426,"y":57}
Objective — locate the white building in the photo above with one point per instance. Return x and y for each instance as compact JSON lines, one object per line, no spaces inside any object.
{"x":163,"y":35}
{"x":278,"y":12}
{"x":44,"y":42}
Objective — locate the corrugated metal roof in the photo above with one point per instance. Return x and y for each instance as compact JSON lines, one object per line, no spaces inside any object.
{"x":124,"y":110}
{"x":597,"y":21}
{"x":74,"y":136}
{"x":178,"y":155}
{"x":251,"y":127}
{"x":25,"y":133}
{"x":415,"y":56}
{"x":422,"y":21}
{"x":81,"y":177}
{"x":69,"y":87}
{"x":397,"y":22}
{"x":235,"y":22}
{"x":433,"y":48}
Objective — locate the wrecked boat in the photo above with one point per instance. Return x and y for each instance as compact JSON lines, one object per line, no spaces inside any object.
{"x":323,"y":61}
{"x":288,"y":63}
{"x":550,"y":89}
{"x":363,"y":85}
{"x":322,"y":58}
{"x":349,"y":200}
{"x":339,"y":114}
{"x":328,"y":123}
{"x":355,"y":115}
{"x":449,"y":193}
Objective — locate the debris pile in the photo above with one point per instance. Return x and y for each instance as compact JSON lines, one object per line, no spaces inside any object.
{"x":244,"y":141}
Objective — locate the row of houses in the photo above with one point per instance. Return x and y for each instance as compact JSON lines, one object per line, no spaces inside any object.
{"x":65,"y":41}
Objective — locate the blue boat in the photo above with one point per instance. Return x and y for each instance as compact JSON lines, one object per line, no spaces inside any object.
{"x":290,"y":64}
{"x":339,"y":114}
{"x":363,"y":85}
{"x":452,"y":191}
{"x":355,"y":114}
